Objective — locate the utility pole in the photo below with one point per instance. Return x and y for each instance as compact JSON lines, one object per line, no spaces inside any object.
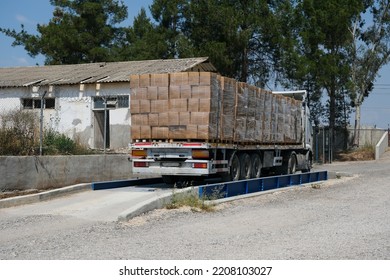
{"x":105,"y":124}
{"x":41,"y":122}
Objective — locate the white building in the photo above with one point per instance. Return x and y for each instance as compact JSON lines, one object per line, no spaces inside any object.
{"x":80,"y":100}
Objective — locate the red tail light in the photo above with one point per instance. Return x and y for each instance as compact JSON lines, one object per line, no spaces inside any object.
{"x":200,"y":165}
{"x":140,"y":164}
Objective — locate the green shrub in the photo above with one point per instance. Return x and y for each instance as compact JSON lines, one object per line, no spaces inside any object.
{"x":55,"y":143}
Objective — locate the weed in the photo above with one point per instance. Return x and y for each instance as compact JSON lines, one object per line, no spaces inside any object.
{"x":19,"y":133}
{"x":366,"y":152}
{"x":316,"y":186}
{"x":190,"y":199}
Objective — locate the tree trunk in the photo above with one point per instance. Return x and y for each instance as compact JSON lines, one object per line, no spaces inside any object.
{"x":356,"y":131}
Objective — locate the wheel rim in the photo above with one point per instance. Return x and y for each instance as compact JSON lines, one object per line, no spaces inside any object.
{"x":256,"y":166}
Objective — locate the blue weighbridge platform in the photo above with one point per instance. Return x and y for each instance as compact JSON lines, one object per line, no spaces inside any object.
{"x":230,"y":189}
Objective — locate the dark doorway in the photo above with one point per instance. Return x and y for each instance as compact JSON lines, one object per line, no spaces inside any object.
{"x":100,"y":121}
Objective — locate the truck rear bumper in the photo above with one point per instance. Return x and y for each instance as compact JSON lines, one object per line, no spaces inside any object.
{"x":185,"y":168}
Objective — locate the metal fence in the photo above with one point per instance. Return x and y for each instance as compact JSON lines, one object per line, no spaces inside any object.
{"x":327,"y":142}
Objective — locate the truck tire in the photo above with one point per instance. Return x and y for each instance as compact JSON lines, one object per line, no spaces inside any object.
{"x":292,"y":164}
{"x":256,"y":166}
{"x":246,"y":166}
{"x":309,"y":164}
{"x":235,"y":168}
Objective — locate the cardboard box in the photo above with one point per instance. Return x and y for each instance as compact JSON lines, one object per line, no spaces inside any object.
{"x":178,"y":132}
{"x":152,"y":93}
{"x":193,"y":105}
{"x":184,"y":118}
{"x":159,"y":106}
{"x":163,"y":119}
{"x":203,"y":132}
{"x":153,"y":119}
{"x":140,"y":119}
{"x":179,"y":78}
{"x":200,"y":118}
{"x":146,"y":132}
{"x":201,"y":92}
{"x":173,"y":118}
{"x":160,"y":132}
{"x":144,"y":106}
{"x":174,"y":92}
{"x":205,"y":105}
{"x":193,"y":78}
{"x":144,"y":80}
{"x":134,"y":81}
{"x":163,"y":93}
{"x":134,"y":106}
{"x":159,"y":80}
{"x":178,"y":105}
{"x":139,"y":93}
{"x":135,"y":131}
{"x":185,"y":92}
{"x":205,"y":78}
{"x":192,"y":131}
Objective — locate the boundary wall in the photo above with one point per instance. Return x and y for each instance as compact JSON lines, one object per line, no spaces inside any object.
{"x":45,"y":172}
{"x":382,"y":145}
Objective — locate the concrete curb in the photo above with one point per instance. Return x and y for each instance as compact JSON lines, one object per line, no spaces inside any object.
{"x":43,"y":196}
{"x":151,"y":204}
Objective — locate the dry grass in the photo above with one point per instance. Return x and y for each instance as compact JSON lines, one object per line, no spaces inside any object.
{"x":14,"y":193}
{"x":366,"y":152}
{"x":191,"y":200}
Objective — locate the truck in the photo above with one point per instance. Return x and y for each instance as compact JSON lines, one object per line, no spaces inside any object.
{"x":194,"y":125}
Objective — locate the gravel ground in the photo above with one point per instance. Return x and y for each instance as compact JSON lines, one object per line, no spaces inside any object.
{"x":345,"y":218}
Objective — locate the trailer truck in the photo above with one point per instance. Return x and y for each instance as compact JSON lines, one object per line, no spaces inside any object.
{"x":192,"y":125}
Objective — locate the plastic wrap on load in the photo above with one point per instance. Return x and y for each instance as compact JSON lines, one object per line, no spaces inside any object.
{"x":242,"y":98}
{"x":228,"y":108}
{"x":206,"y":106}
{"x":267,"y":136}
{"x":240,"y":129}
{"x":250,"y":135}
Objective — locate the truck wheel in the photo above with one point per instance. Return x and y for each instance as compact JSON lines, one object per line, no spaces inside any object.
{"x":235,"y":168}
{"x":246,"y":166}
{"x":256,"y":166}
{"x":292,"y":165}
{"x":309,"y":165}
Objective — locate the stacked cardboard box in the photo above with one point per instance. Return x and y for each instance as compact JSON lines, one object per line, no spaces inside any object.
{"x":174,"y":106}
{"x":207,"y":106}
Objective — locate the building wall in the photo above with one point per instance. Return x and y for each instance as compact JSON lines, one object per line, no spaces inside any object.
{"x":74,"y":113}
{"x":42,"y":172}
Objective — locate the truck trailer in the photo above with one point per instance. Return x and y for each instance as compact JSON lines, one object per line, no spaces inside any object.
{"x":193,"y":125}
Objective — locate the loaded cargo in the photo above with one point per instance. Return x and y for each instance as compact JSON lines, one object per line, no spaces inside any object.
{"x":174,"y":115}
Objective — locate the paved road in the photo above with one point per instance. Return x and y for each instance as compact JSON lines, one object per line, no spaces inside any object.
{"x":346,"y":218}
{"x":101,"y":205}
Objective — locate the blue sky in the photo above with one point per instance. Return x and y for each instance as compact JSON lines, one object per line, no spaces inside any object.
{"x":13,"y":13}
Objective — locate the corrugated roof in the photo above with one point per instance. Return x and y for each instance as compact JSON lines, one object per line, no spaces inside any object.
{"x":104,"y":72}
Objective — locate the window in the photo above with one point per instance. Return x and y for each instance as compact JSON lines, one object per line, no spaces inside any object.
{"x":113,"y":102}
{"x":35,"y":103}
{"x":123,"y":101}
